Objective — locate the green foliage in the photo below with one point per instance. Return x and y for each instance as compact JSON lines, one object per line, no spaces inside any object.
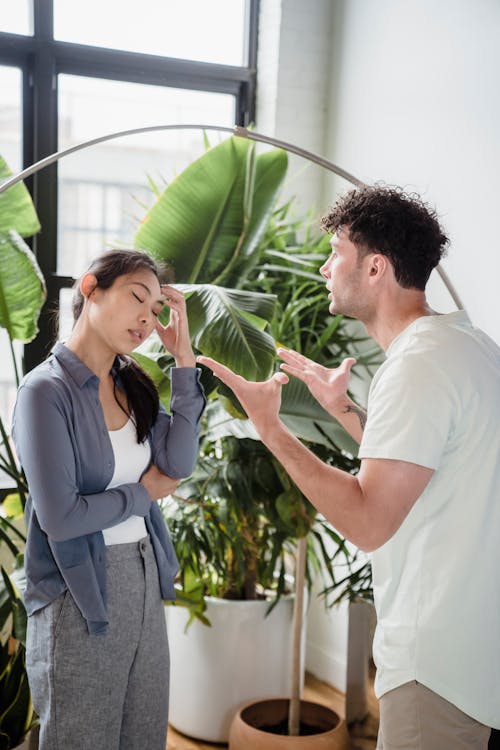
{"x":236,"y":522}
{"x":250,"y":274}
{"x":22,"y":294}
{"x":206,"y":226}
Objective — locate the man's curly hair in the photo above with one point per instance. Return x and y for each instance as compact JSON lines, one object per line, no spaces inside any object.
{"x":386,"y":220}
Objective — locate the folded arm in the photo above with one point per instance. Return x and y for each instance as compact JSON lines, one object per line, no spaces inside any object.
{"x":45,"y":449}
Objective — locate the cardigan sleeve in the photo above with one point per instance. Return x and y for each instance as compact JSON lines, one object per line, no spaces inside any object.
{"x":175,"y":437}
{"x":47,"y":455}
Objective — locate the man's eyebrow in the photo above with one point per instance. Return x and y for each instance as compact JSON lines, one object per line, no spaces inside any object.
{"x":148,"y":290}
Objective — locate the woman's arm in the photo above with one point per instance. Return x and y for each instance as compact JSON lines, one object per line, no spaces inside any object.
{"x":175,"y":437}
{"x":46,"y":451}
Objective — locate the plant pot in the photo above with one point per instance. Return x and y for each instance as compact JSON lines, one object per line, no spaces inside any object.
{"x":250,"y":729}
{"x":216,"y":670}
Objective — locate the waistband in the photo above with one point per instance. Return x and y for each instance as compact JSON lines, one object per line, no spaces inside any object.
{"x":115,"y":553}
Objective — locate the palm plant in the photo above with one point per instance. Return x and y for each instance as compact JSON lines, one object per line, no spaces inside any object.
{"x":22,"y":294}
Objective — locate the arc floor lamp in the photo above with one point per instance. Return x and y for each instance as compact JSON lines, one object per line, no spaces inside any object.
{"x":237,"y":131}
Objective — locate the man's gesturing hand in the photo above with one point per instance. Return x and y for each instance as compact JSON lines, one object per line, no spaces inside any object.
{"x":261,"y":400}
{"x":328,"y":386}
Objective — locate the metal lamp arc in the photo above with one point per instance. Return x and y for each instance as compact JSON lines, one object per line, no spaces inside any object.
{"x":237,"y":131}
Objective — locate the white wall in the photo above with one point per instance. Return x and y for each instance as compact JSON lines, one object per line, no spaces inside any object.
{"x":415,"y":100}
{"x":403,"y":91}
{"x":293,"y":65}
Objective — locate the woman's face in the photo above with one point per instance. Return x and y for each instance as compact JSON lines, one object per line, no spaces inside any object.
{"x":125,"y":314}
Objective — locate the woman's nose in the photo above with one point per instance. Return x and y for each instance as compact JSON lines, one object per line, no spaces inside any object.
{"x":324,"y":270}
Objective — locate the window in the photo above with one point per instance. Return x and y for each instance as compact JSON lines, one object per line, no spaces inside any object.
{"x":16,"y":17}
{"x":100,"y":188}
{"x":73,"y":71}
{"x":215,"y":30}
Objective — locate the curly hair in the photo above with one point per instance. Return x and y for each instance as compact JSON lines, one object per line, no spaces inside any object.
{"x":399,"y":225}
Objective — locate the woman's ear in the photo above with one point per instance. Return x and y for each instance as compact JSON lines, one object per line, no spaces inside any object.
{"x":88,"y":283}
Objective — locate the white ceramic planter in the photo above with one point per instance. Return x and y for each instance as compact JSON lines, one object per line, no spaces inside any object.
{"x":215,"y":670}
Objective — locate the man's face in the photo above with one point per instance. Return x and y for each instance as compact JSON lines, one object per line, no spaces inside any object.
{"x":344,"y":272}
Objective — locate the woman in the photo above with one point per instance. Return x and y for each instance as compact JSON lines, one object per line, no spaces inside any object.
{"x":98,"y":452}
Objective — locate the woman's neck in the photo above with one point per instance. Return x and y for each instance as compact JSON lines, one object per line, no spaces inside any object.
{"x":92,"y":351}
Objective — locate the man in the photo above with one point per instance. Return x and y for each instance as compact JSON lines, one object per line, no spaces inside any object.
{"x":426,"y":500}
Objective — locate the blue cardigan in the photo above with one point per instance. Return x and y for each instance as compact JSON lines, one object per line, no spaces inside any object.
{"x":63,"y":445}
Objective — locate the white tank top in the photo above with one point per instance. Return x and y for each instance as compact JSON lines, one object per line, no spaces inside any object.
{"x":131,"y":459}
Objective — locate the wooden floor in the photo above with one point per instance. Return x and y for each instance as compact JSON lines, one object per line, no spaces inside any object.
{"x":363,"y":735}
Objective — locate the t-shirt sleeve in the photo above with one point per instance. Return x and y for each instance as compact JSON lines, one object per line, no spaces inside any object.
{"x":411,"y":412}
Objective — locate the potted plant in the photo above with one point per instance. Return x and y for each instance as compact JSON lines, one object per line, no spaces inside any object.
{"x":22,"y":294}
{"x":237,"y":237}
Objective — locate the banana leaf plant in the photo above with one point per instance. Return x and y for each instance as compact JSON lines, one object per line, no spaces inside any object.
{"x":239,"y":520}
{"x":22,"y":294}
{"x":250,"y":274}
{"x":207,"y":226}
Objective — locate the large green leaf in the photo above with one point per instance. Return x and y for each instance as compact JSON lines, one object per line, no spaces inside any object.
{"x":223,"y":325}
{"x":22,"y":288}
{"x":16,"y":207}
{"x":208,"y":222}
{"x":160,"y":379}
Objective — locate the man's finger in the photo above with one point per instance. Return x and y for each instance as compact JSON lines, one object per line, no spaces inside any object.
{"x":292,"y":357}
{"x":221,"y":371}
{"x":295,"y":371}
{"x":280,"y":378}
{"x":347,"y":363}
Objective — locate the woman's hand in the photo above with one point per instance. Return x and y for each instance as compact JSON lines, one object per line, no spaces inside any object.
{"x":158,"y":485}
{"x":175,"y":335}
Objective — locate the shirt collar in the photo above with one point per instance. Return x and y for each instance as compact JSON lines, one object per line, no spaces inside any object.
{"x":73,"y":365}
{"x":457,"y":318}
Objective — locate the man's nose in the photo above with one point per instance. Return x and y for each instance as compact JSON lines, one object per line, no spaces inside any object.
{"x":325,"y":270}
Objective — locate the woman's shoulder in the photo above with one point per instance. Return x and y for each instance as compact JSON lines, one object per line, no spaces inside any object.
{"x":46,"y":378}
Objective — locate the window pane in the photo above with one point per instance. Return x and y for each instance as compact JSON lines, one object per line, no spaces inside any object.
{"x":10,"y":116}
{"x":16,"y":16}
{"x":103,"y":189}
{"x":191,"y":29}
{"x":10,"y":149}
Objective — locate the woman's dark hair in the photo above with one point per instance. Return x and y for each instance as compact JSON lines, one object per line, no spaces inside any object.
{"x":140,"y":391}
{"x":386,"y":220}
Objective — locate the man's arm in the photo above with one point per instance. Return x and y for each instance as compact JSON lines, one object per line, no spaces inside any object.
{"x":329,"y":387}
{"x":368,"y":508}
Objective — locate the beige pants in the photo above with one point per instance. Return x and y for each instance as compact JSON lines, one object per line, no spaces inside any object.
{"x":412,"y":717}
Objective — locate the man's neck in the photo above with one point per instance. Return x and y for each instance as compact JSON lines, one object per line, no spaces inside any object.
{"x":394,"y":315}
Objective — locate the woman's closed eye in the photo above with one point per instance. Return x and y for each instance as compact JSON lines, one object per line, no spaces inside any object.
{"x":141,"y":301}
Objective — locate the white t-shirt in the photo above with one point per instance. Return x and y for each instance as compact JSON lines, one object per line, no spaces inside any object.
{"x":436,"y":402}
{"x":131,"y":460}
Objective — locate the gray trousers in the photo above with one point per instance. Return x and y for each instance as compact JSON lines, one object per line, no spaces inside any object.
{"x":104,"y":692}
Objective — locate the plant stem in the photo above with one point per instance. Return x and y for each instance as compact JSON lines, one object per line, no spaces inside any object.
{"x":14,"y":362}
{"x":298,"y":613}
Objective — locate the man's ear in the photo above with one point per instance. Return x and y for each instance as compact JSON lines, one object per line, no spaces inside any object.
{"x":378,"y":265}
{"x":88,"y":283}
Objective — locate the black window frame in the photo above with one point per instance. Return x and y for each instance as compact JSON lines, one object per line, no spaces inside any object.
{"x":41,"y":59}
